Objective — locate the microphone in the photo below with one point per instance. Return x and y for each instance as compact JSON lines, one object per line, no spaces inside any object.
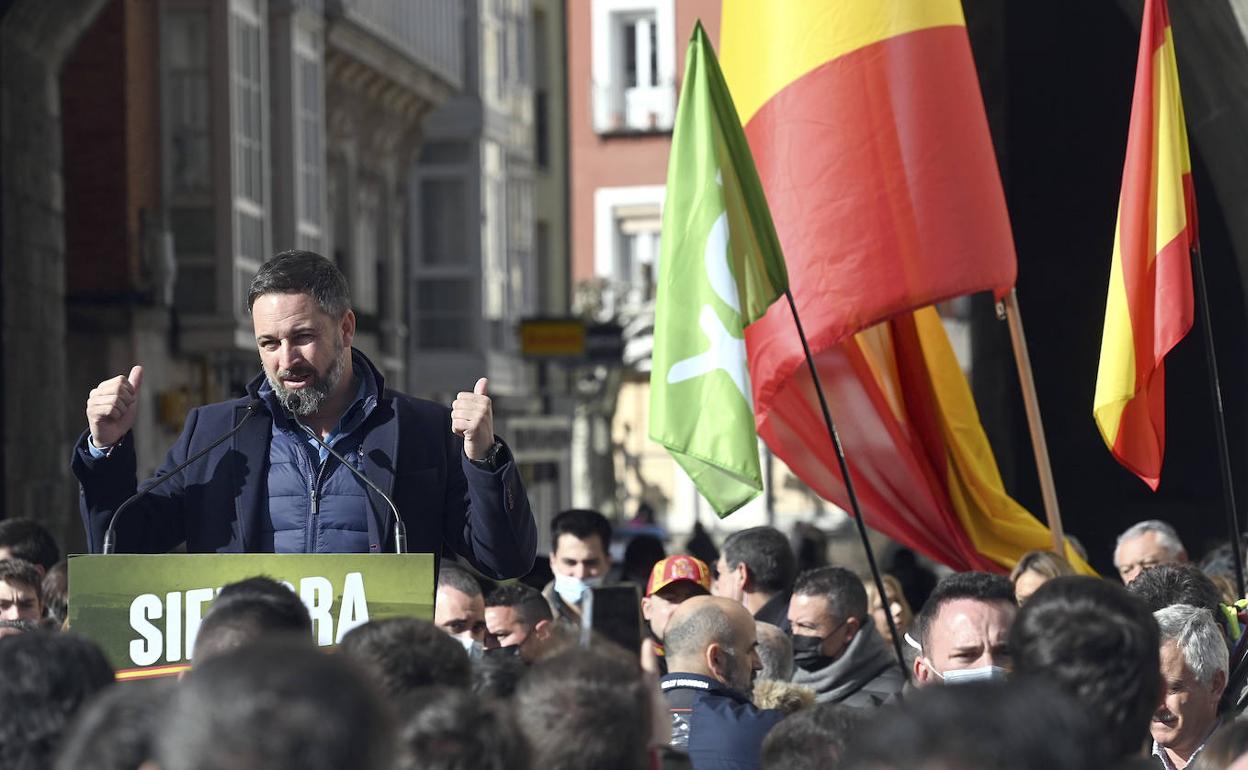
{"x":293,"y":402}
{"x":110,"y":534}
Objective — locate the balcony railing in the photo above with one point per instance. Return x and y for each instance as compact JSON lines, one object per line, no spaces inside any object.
{"x":430,"y":32}
{"x":618,"y":108}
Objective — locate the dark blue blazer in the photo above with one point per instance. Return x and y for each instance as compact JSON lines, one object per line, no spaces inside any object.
{"x":217,"y":504}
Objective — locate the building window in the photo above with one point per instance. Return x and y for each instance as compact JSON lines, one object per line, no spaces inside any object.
{"x":444,"y":222}
{"x":310,"y":144}
{"x":444,"y":314}
{"x":189,"y":101}
{"x":248,"y":103}
{"x":366,"y":245}
{"x":541,"y":94}
{"x":521,"y":270}
{"x":627,"y":222}
{"x":186,"y":94}
{"x":634,"y":65}
{"x":445,"y":301}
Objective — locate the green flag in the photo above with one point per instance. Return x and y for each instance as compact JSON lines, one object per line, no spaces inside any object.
{"x":720,"y":268}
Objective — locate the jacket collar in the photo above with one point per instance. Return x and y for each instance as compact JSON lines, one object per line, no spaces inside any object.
{"x":378,"y":448}
{"x":679,"y":681}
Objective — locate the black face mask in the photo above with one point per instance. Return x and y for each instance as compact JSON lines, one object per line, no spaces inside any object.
{"x":502,"y":653}
{"x":808,"y":651}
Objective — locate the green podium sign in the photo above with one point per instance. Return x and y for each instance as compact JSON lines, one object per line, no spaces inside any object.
{"x":145,"y":610}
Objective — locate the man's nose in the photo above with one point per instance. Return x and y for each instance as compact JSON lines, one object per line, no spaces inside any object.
{"x":287,"y":355}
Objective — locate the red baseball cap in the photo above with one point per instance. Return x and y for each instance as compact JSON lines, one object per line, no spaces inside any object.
{"x":675,"y":569}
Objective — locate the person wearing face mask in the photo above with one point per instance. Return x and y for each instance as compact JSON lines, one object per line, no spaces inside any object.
{"x":836,"y":648}
{"x":579,"y":558}
{"x":963,"y":630}
{"x":518,"y":622}
{"x":459,"y":608}
{"x":712,"y":653}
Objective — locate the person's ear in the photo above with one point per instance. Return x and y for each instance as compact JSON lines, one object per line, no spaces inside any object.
{"x":743,"y":577}
{"x":852,"y":626}
{"x":714,"y":659}
{"x":1218,"y":685}
{"x":922,"y":674}
{"x":348,"y":328}
{"x":645,"y":607}
{"x":542,"y":629}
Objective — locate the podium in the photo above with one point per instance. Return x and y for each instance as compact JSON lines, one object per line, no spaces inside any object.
{"x":145,"y":610}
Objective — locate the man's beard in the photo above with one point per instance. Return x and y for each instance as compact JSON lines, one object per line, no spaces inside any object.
{"x":309,"y":400}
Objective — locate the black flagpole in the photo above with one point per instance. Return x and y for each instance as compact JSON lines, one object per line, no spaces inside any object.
{"x":849,"y":487}
{"x":1215,"y":388}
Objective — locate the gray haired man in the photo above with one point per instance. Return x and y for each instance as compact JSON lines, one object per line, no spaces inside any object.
{"x":1147,"y":544}
{"x":1194,"y":664}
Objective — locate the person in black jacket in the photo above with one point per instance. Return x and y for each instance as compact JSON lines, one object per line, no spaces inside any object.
{"x":273,"y":488}
{"x":713,"y":658}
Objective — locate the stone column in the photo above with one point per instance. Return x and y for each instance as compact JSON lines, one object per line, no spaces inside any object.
{"x":35,"y":37}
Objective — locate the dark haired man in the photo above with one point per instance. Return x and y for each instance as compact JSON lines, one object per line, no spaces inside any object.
{"x":280,"y":707}
{"x":21,"y":604}
{"x":403,"y":655}
{"x":448,"y":729}
{"x":756,"y":567}
{"x":518,"y":620}
{"x":273,"y":488}
{"x":1168,"y":584}
{"x":1099,"y":644}
{"x":248,"y":611}
{"x":587,"y":708}
{"x":459,"y":608}
{"x":45,"y":678}
{"x":29,"y":541}
{"x":964,"y":628}
{"x":836,"y":648}
{"x":579,"y":557}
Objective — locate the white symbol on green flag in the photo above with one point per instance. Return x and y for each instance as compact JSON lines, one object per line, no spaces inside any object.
{"x":720,"y":268}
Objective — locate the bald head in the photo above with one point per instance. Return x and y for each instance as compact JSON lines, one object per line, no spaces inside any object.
{"x":702,"y":620}
{"x":715,"y":637}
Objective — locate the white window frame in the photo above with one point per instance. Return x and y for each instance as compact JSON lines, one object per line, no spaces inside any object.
{"x":462,"y":269}
{"x":607,"y":202}
{"x":309,"y":232}
{"x":615,"y":107}
{"x":250,"y":13}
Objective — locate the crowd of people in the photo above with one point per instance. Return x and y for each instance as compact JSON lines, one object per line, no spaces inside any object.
{"x":744,"y":662}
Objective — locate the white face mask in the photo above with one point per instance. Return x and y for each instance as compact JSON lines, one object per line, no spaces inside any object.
{"x":572,"y":589}
{"x":964,"y":675}
{"x":471,"y":646}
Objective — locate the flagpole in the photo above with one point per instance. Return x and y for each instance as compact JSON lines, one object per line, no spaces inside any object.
{"x":1219,"y":418}
{"x":849,"y":486}
{"x":1031,"y":403}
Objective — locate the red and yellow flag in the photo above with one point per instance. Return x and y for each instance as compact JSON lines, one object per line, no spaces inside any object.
{"x":868,"y":131}
{"x":1150,"y":306}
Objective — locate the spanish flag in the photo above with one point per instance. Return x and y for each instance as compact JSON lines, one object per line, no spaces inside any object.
{"x":868,"y":131}
{"x":1150,"y":306}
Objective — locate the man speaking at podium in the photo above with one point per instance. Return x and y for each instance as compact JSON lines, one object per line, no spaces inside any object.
{"x":272,"y":487}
